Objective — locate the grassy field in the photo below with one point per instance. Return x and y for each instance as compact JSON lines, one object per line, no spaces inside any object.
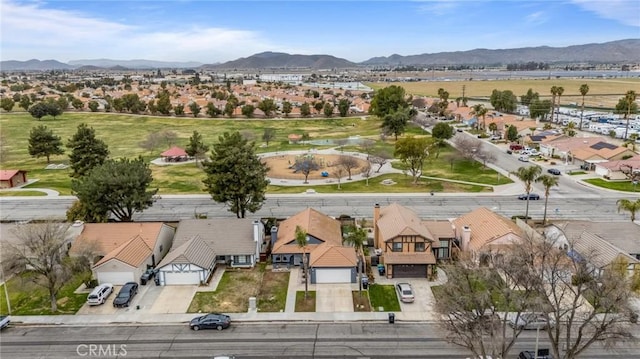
{"x":383,"y":296}
{"x":603,"y":93}
{"x":625,"y":186}
{"x":305,"y":305}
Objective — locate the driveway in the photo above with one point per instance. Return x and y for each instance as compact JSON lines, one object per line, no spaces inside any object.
{"x":333,"y":298}
{"x":173,"y":299}
{"x":424,"y":300}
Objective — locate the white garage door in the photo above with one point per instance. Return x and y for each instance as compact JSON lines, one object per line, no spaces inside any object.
{"x":177,"y":278}
{"x":116,"y":278}
{"x":333,"y":275}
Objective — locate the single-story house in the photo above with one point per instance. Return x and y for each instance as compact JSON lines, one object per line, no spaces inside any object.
{"x":123,"y":251}
{"x":620,"y":169}
{"x":329,"y":260}
{"x":200,"y":244}
{"x":484,"y":231}
{"x":12,"y":178}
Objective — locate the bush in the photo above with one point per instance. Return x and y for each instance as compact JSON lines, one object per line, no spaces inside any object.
{"x":92,"y":283}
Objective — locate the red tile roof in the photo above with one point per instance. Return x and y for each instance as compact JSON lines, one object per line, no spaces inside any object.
{"x":6,"y":175}
{"x":174,"y":152}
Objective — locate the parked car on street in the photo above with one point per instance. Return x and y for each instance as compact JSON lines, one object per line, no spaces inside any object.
{"x":532,"y":196}
{"x":210,"y":321}
{"x":126,"y":294}
{"x":147,"y":275}
{"x":405,"y":292}
{"x":4,"y":321}
{"x":100,"y":294}
{"x":529,"y":354}
{"x":515,"y":147}
{"x":531,"y":321}
{"x":554,"y":171}
{"x":523,"y":158}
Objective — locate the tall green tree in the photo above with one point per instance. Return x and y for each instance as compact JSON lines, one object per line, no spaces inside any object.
{"x":480,"y":111}
{"x":42,"y":142}
{"x":268,"y":134}
{"x":442,"y":131}
{"x":395,"y":122}
{"x":178,"y":109}
{"x":547,"y":182}
{"x":629,"y":206}
{"x":287,"y":107}
{"x":627,"y":105}
{"x":195,"y":108}
{"x":559,"y":92}
{"x":119,"y":187}
{"x":412,"y":152}
{"x":504,"y":101}
{"x":305,"y":109}
{"x":301,"y":241}
{"x":528,"y":175}
{"x":39,"y":110}
{"x":87,"y":151}
{"x":196,"y":147}
{"x":25,"y":102}
{"x":235,"y":175}
{"x":388,"y":100}
{"x":554,"y":94}
{"x":247,"y":110}
{"x":512,"y":133}
{"x":529,"y":97}
{"x":212,"y":111}
{"x":343,"y":107}
{"x":328,"y":109}
{"x":584,"y":90}
{"x":267,"y":106}
{"x":540,"y":109}
{"x":7,"y":103}
{"x":164,"y":103}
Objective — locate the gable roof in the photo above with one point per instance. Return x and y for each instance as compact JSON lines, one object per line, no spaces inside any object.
{"x":6,"y":175}
{"x":331,"y":255}
{"x":440,"y":229}
{"x":225,"y":236}
{"x":486,"y":226}
{"x":194,"y":251}
{"x":133,"y":252}
{"x":106,"y":237}
{"x":623,"y":235}
{"x":604,"y":253}
{"x":174,"y":151}
{"x":396,"y":220}
{"x":315,"y":223}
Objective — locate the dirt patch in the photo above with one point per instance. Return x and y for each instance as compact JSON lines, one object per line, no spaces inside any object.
{"x":232,"y":295}
{"x":273,"y":292}
{"x":308,"y":304}
{"x":281,"y":166}
{"x":361,"y":302}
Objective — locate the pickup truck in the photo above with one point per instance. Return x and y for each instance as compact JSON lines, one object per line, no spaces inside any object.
{"x":4,"y":321}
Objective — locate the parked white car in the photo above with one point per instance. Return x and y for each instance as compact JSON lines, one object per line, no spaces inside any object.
{"x":100,"y":294}
{"x":405,"y":292}
{"x":531,"y":321}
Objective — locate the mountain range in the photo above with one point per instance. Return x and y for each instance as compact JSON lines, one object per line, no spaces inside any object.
{"x":614,"y":52}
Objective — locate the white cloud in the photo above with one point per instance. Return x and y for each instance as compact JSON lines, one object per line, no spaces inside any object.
{"x":536,"y":18}
{"x":438,"y":7}
{"x":626,"y":12}
{"x":32,"y":31}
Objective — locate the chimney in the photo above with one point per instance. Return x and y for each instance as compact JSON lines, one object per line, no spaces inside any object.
{"x":274,"y":235}
{"x":257,"y":233}
{"x":466,"y":238}
{"x":376,"y":217}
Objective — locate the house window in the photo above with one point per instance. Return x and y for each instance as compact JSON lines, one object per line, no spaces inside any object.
{"x":443,"y":251}
{"x":419,"y":247}
{"x":397,"y":246}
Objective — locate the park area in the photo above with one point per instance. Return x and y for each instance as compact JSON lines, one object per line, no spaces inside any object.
{"x":283,"y":166}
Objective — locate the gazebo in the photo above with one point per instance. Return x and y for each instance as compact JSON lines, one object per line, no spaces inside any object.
{"x":174,"y":154}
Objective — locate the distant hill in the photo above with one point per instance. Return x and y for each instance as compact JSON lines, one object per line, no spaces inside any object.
{"x":33,"y":65}
{"x":609,"y":52}
{"x":281,"y":60}
{"x":134,"y":64}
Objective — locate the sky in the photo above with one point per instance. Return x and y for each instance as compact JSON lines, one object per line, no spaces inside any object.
{"x":219,"y":31}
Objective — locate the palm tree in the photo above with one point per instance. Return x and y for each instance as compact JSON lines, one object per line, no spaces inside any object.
{"x":528,"y":175}
{"x":357,"y":237}
{"x":548,"y":182}
{"x":584,"y":89}
{"x":480,"y":111}
{"x":628,"y":205}
{"x":560,"y":91}
{"x":629,"y":99}
{"x":554,"y":93}
{"x":301,"y":240}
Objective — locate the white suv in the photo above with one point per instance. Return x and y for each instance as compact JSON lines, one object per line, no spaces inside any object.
{"x":99,"y":294}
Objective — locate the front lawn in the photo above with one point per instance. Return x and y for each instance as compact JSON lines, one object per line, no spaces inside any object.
{"x":238,"y":285}
{"x":361,"y":301}
{"x":384,"y":298}
{"x":28,"y":298}
{"x":306,"y":305}
{"x":626,"y":186}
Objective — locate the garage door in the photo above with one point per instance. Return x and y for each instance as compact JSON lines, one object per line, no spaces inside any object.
{"x":177,"y":278}
{"x":410,"y":271}
{"x":339,"y":275}
{"x":116,"y":278}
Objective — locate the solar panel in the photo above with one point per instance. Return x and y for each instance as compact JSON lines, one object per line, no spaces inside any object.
{"x":601,"y":145}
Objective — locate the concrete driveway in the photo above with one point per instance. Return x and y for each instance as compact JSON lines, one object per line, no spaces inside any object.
{"x":424,"y":299}
{"x":173,"y":299}
{"x":333,"y":298}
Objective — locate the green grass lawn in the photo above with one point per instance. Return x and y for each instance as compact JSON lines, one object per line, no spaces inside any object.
{"x":625,"y":186}
{"x":28,"y":298}
{"x":384,"y":296}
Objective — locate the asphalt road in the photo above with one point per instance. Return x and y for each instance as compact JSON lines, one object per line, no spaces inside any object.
{"x":252,"y":340}
{"x":174,"y":208}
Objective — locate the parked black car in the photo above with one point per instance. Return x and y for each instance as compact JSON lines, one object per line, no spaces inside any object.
{"x":148,"y":275}
{"x":532,"y":196}
{"x":126,"y":294}
{"x":554,"y":171}
{"x":210,"y":321}
{"x":529,"y":354}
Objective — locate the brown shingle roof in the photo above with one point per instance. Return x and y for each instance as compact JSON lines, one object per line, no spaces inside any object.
{"x":440,"y":229}
{"x":133,"y":252}
{"x":486,"y":226}
{"x":398,"y":220}
{"x":425,"y":257}
{"x":315,"y":223}
{"x":330,"y":255}
{"x":106,"y":237}
{"x":194,"y":251}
